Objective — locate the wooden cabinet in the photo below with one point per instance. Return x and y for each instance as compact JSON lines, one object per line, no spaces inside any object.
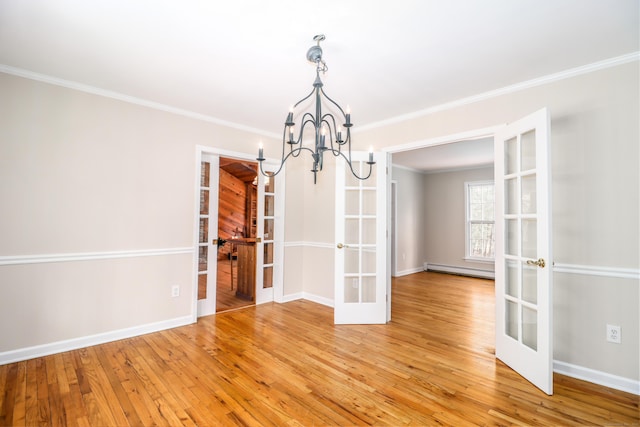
{"x":246,"y":268}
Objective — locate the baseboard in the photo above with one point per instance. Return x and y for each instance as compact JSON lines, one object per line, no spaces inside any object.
{"x":311,"y":297}
{"x":464,"y":271}
{"x":409,"y":271}
{"x":597,"y":377}
{"x":91,"y":340}
{"x":320,"y":300}
{"x":292,"y":297}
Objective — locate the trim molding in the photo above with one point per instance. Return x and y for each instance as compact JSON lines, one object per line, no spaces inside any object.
{"x":90,"y":340}
{"x":593,"y":270}
{"x":597,"y":377}
{"x":409,"y":271}
{"x":588,"y":270}
{"x":308,"y":244}
{"x":129,"y":99}
{"x":310,"y":297}
{"x":90,"y":256}
{"x":466,"y":271}
{"x":551,"y":78}
{"x":291,"y":297}
{"x":318,"y":299}
{"x":607,"y":63}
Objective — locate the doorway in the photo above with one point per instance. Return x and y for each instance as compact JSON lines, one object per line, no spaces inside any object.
{"x":237,"y":232}
{"x":523,"y":287}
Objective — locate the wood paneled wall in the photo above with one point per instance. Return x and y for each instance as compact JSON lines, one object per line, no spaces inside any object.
{"x":231,"y":209}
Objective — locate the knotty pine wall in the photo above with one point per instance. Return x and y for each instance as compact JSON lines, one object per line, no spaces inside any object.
{"x":232,"y":210}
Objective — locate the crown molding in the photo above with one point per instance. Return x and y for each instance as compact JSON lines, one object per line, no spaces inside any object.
{"x":130,"y":99}
{"x":573,"y":72}
{"x":585,"y":69}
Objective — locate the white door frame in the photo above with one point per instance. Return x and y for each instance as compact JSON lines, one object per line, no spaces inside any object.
{"x":393,"y":227}
{"x":201,"y":151}
{"x":207,"y":306}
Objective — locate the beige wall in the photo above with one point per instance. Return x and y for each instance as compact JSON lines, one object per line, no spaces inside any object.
{"x":309,"y":234}
{"x":410,"y":220}
{"x":595,"y":185}
{"x":444,"y":237}
{"x":86,"y":176}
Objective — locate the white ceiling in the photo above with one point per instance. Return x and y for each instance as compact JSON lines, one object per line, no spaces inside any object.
{"x":456,"y":155}
{"x":242,"y":62}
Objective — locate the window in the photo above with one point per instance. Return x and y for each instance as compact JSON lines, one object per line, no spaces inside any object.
{"x":480,"y":221}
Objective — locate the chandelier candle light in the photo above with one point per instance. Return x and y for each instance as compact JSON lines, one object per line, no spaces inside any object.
{"x":323,"y":125}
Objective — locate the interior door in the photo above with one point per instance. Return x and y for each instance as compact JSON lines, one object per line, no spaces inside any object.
{"x":523,"y":281}
{"x":361,"y":242}
{"x":207,"y":235}
{"x":270,"y":229}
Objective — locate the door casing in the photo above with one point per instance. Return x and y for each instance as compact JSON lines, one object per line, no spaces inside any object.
{"x":202,"y":152}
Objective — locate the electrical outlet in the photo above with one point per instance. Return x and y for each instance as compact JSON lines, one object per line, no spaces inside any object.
{"x":613,"y":334}
{"x":175,"y":291}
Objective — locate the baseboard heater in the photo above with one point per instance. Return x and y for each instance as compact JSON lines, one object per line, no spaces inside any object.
{"x":461,"y":271}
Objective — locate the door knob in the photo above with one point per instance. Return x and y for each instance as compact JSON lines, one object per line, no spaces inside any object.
{"x":340,"y":246}
{"x":540,"y":262}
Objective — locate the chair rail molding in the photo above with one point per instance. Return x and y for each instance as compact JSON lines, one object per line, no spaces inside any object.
{"x":90,"y":256}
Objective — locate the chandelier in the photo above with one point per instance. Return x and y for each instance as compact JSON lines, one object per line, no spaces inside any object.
{"x":331,"y":134}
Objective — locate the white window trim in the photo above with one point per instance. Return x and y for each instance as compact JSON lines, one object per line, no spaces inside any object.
{"x":467,"y":206}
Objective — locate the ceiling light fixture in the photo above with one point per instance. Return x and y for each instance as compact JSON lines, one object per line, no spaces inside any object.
{"x":323,"y":124}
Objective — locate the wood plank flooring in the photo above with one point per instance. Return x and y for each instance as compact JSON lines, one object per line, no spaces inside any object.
{"x":226,"y":298}
{"x":287,"y":364}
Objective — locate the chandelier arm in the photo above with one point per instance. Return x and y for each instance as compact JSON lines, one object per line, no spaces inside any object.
{"x":348,"y":160}
{"x":310,"y":119}
{"x":348,"y":137}
{"x":334,"y":103}
{"x":282,"y":162}
{"x":296,"y":152}
{"x":305,"y":98}
{"x":331,"y":133}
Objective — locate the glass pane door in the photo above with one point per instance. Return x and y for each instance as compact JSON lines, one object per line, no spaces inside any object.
{"x":271,"y":231}
{"x":207,"y":232}
{"x":523,"y":249}
{"x":361,"y":243}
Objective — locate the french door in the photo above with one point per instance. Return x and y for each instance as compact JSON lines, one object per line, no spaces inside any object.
{"x":523,"y":280}
{"x":270,"y":233}
{"x":270,"y":229}
{"x":361,"y":242}
{"x":207,"y":232}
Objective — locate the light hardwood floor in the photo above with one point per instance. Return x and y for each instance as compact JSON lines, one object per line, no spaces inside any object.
{"x":287,"y":364}
{"x":226,"y":298}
